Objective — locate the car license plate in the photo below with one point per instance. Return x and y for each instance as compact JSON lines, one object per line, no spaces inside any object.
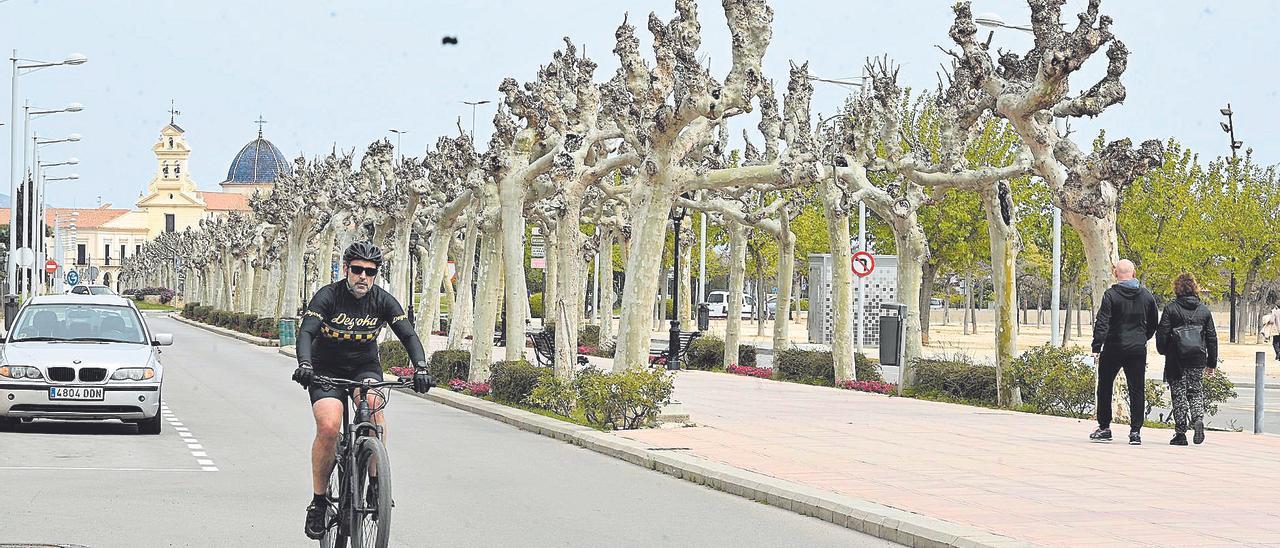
{"x":75,"y":393}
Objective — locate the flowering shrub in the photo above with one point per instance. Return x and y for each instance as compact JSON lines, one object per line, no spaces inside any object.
{"x":479,"y":389}
{"x":761,"y":372}
{"x":879,"y":387}
{"x":402,"y":371}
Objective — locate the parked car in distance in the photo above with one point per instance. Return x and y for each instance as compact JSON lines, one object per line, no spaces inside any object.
{"x":82,"y":357}
{"x":718,"y":303}
{"x":935,"y":303}
{"x":91,"y":289}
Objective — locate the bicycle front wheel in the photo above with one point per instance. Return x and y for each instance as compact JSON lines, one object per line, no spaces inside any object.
{"x":371,"y":515}
{"x":336,"y":534}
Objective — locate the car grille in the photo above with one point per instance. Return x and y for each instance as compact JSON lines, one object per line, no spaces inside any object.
{"x":92,"y":374}
{"x":62,"y":374}
{"x":75,"y":408}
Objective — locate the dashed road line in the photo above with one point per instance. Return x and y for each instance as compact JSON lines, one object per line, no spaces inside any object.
{"x":193,"y":444}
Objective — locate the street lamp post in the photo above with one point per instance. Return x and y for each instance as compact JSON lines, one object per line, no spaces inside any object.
{"x":399,"y":133}
{"x":1230,"y":129}
{"x":673,"y":343}
{"x":474,"y":104}
{"x":35,"y":217}
{"x":39,"y":209}
{"x":21,"y":66}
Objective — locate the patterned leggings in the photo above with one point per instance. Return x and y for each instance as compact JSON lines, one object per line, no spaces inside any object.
{"x":1188,"y":398}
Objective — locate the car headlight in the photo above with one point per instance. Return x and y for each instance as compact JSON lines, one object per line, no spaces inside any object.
{"x":133,"y":374}
{"x":20,"y":372}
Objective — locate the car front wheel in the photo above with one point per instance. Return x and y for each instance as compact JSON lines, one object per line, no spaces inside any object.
{"x":149,"y":426}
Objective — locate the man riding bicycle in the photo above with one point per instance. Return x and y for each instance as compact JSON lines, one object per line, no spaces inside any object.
{"x":341,"y":325}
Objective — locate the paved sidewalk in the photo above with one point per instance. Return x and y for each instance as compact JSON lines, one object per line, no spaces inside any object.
{"x":1030,"y":477}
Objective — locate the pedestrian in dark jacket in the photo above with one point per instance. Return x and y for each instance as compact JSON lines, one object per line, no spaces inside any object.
{"x":1185,"y":368}
{"x":1121,"y":329}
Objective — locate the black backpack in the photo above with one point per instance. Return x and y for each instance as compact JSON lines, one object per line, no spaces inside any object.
{"x":1188,"y":338}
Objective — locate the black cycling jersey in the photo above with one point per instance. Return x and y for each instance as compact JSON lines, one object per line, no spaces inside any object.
{"x":339,"y":332}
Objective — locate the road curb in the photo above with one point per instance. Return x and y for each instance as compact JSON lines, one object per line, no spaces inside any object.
{"x":868,"y":517}
{"x":259,"y":341}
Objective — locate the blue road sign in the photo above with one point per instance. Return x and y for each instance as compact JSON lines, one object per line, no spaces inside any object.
{"x":73,"y":277}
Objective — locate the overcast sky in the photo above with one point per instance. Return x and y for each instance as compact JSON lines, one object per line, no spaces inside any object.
{"x":326,"y":72}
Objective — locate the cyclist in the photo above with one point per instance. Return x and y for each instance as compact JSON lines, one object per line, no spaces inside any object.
{"x":339,"y":339}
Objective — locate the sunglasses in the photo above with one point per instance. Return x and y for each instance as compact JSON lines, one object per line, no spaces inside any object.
{"x":369,"y":271}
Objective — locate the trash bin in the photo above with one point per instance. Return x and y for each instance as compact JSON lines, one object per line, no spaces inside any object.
{"x":704,"y":316}
{"x":288,"y":331}
{"x":10,"y":311}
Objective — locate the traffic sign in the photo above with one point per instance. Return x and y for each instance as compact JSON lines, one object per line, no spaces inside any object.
{"x":24,"y":257}
{"x":92,"y":274}
{"x":73,"y":277}
{"x":863,"y":264}
{"x":50,"y":266}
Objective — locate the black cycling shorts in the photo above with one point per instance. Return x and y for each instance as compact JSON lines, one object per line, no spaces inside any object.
{"x":318,"y":392}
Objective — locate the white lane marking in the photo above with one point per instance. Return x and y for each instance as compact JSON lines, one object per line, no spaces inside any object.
{"x":92,"y":469}
{"x":193,"y":445}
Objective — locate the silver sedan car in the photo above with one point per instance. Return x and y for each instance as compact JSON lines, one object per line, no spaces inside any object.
{"x":81,"y":357}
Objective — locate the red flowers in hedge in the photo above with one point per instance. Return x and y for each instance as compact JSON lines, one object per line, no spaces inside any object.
{"x":473,"y":388}
{"x":869,"y":386}
{"x":761,"y":372}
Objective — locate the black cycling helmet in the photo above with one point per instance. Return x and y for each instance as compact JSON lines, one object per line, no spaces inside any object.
{"x":363,"y":251}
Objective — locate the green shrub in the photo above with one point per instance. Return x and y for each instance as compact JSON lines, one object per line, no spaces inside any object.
{"x":746,"y":355}
{"x":802,"y":305}
{"x":203,"y":313}
{"x":512,"y":382}
{"x":446,"y":365}
{"x":705,"y":353}
{"x":392,"y":354}
{"x":554,"y":395}
{"x":267,"y":328}
{"x":189,"y":309}
{"x":867,"y":369}
{"x":958,"y":378}
{"x":1217,"y":389}
{"x":535,"y":305}
{"x":1054,"y":380}
{"x":810,"y":366}
{"x":626,"y":400}
{"x":589,"y":335}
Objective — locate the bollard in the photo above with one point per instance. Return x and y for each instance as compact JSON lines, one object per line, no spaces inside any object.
{"x":1259,"y":390}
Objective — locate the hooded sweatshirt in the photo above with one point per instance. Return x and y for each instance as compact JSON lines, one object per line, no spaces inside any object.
{"x":1126,"y":321}
{"x":1182,"y":311}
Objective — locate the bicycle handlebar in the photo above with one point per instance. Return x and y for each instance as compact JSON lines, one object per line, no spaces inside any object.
{"x":348,"y":383}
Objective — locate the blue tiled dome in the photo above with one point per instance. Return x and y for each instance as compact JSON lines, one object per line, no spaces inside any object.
{"x":258,"y":162}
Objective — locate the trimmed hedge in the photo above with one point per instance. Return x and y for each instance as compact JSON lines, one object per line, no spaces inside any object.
{"x":809,"y":366}
{"x":957,"y":378}
{"x":536,"y":307}
{"x":392,"y":354}
{"x":512,"y":382}
{"x":249,"y":324}
{"x":446,"y":365}
{"x":707,"y":352}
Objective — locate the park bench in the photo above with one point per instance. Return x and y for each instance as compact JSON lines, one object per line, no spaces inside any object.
{"x":686,"y":337}
{"x":544,"y":349}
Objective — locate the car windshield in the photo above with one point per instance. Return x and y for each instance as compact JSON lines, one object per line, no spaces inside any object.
{"x":78,"y":322}
{"x":101,"y":290}
{"x":80,"y":290}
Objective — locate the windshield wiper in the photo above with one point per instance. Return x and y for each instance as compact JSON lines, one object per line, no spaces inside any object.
{"x":94,"y":339}
{"x":26,"y":339}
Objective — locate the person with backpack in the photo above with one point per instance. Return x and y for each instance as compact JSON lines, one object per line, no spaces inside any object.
{"x":1121,"y":329}
{"x":1189,"y":343}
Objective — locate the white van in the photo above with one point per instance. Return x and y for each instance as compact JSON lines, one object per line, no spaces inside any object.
{"x":718,"y":302}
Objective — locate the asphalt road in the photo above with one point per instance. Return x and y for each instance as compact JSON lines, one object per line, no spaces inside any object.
{"x":231,"y":469}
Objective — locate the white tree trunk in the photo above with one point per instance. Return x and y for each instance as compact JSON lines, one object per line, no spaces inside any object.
{"x":293,"y":271}
{"x":461,"y":316}
{"x":488,"y":292}
{"x":262,"y":301}
{"x":786,"y":269}
{"x":686,"y":286}
{"x":737,"y":271}
{"x":1006,"y":243}
{"x":435,"y":263}
{"x":564,"y":310}
{"x":651,"y":202}
{"x":606,"y":286}
{"x":1100,"y":249}
{"x":511,"y":199}
{"x":913,"y":251}
{"x":842,"y":341}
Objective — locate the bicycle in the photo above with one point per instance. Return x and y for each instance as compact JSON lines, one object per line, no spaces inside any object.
{"x":360,"y":456}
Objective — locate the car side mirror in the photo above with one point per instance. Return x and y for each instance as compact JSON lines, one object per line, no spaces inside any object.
{"x":162,"y":339}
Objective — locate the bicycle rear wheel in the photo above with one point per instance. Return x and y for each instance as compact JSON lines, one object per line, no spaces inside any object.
{"x":371,"y":516}
{"x":336,"y":535}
